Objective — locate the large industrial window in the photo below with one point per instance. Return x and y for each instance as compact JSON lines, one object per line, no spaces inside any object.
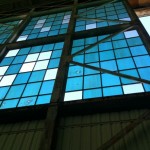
{"x":48,"y":25}
{"x":124,"y":53}
{"x":6,"y":29}
{"x":27,"y":75}
{"x":101,"y":16}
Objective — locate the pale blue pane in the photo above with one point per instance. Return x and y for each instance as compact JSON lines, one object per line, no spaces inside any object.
{"x":37,"y":76}
{"x":93,"y":57}
{"x":105,"y":46}
{"x":93,"y":93}
{"x":13,"y":69}
{"x":24,"y":51}
{"x":6,"y":61}
{"x":110,"y":91}
{"x":88,"y":71}
{"x":124,"y":63}
{"x":92,"y":81}
{"x":121,"y":53}
{"x":119,"y":44}
{"x":32,"y":89}
{"x":75,"y":71}
{"x":109,"y":65}
{"x":142,"y":61}
{"x":110,"y":80}
{"x":138,"y":50}
{"x":19,"y":59}
{"x":22,"y":78}
{"x":15,"y":91}
{"x":3,"y":92}
{"x":43,"y":99}
{"x":9,"y":104}
{"x":27,"y":101}
{"x":47,"y":87}
{"x":74,"y":84}
{"x":107,"y":55}
{"x":132,"y":73}
{"x":54,"y":63}
{"x":134,"y":41}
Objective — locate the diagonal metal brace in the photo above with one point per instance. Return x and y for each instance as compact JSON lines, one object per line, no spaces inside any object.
{"x":111,"y":72}
{"x":124,"y":131}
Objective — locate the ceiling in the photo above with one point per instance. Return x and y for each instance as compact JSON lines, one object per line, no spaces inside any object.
{"x":16,"y":7}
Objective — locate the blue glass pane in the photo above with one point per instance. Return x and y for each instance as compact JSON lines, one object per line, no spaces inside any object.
{"x":47,"y":87}
{"x":59,"y":45}
{"x":75,"y":71}
{"x":110,"y":91}
{"x":32,"y":89}
{"x":107,"y":55}
{"x":142,"y":61}
{"x":91,"y":57}
{"x":109,"y":65}
{"x":13,"y":69}
{"x":56,"y":54}
{"x":79,"y":58}
{"x":134,"y":41}
{"x":121,"y":53}
{"x":105,"y":46}
{"x":9,"y":104}
{"x":119,"y":44}
{"x":48,"y":47}
{"x":138,"y":50}
{"x":91,"y":40}
{"x":93,"y":49}
{"x":19,"y":59}
{"x":3,"y":91}
{"x":118,"y":37}
{"x":93,"y":93}
{"x":124,"y":63}
{"x":37,"y":76}
{"x":110,"y":80}
{"x":43,"y":99}
{"x":133,"y":73}
{"x":36,"y":49}
{"x":22,"y":78}
{"x":54,"y":63}
{"x":6,"y":61}
{"x":23,"y":51}
{"x":15,"y":91}
{"x":76,"y":49}
{"x":74,"y":84}
{"x":92,"y":81}
{"x":27,"y":101}
{"x":78,"y":42}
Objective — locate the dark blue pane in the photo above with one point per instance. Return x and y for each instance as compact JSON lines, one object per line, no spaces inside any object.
{"x":13,"y":69}
{"x":79,"y":42}
{"x":15,"y":91}
{"x":56,"y":54}
{"x":48,"y":47}
{"x":47,"y":87}
{"x":23,"y":51}
{"x":59,"y":45}
{"x":36,"y":49}
{"x":19,"y":59}
{"x":90,"y":40}
{"x":32,"y":89}
{"x":37,"y":76}
{"x":134,"y":41}
{"x":54,"y":63}
{"x":74,"y":84}
{"x":22,"y":78}
{"x":6,"y":61}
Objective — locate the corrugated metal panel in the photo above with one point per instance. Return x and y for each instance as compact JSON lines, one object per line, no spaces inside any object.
{"x":21,"y":136}
{"x":90,"y":132}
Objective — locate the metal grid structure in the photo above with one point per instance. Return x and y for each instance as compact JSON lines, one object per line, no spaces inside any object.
{"x":52,"y":112}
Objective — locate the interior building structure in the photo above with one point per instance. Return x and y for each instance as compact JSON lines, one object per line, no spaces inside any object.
{"x":74,"y":75}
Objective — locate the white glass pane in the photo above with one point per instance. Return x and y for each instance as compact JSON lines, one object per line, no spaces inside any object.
{"x":125,"y":19}
{"x":73,"y":96}
{"x":133,"y":88}
{"x":67,"y":17}
{"x":27,"y":67}
{"x":3,"y":70}
{"x":91,"y":26}
{"x":65,"y":21}
{"x":45,"y":29}
{"x":45,"y":55}
{"x":41,"y":65}
{"x":12,"y":53}
{"x":50,"y":74}
{"x":7,"y":80}
{"x":129,"y":34}
{"x":41,"y":21}
{"x":22,"y":38}
{"x":32,"y":57}
{"x":38,"y":26}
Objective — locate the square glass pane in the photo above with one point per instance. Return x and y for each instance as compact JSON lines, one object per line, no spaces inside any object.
{"x":45,"y":55}
{"x":77,"y":95}
{"x":41,"y":65}
{"x":50,"y":74}
{"x":9,"y":104}
{"x":3,"y":70}
{"x":32,"y":57}
{"x":7,"y":80}
{"x":27,"y":67}
{"x":12,"y":53}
